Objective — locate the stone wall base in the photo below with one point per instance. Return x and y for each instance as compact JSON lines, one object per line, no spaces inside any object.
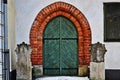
{"x":83,"y":70}
{"x":97,"y":71}
{"x":37,"y":71}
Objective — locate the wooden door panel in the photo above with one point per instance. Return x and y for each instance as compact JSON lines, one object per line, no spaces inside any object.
{"x":51,"y":57}
{"x":67,"y":28}
{"x":69,"y":57}
{"x":51,"y":54}
{"x":69,"y":72}
{"x":51,"y":72}
{"x":60,"y":48}
{"x":52,"y":29}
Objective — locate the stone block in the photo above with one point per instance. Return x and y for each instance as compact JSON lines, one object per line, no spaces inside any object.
{"x":23,"y":65}
{"x":97,"y":71}
{"x":83,"y":70}
{"x":37,"y":71}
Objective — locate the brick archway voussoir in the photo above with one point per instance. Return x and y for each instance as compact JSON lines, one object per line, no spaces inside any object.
{"x":72,"y":13}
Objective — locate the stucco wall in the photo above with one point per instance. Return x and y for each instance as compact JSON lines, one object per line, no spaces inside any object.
{"x":27,"y":10}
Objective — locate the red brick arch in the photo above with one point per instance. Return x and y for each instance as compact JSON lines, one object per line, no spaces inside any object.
{"x":73,"y":14}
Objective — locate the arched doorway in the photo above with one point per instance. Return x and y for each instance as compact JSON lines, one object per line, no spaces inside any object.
{"x":60,"y":50}
{"x":75,"y":16}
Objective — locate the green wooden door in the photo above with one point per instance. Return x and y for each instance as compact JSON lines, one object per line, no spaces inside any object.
{"x":60,"y":48}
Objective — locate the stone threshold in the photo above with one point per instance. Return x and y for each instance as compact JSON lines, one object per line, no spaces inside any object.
{"x":62,"y":78}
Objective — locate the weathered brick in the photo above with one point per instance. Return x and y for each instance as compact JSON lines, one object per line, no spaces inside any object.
{"x":48,"y":19}
{"x":34,"y":49}
{"x":49,"y":9}
{"x":63,"y":6}
{"x":58,"y":5}
{"x":73,"y":19}
{"x":34,"y":59}
{"x":80,"y":52}
{"x":35,"y":56}
{"x":40,"y":17}
{"x":40,"y":53}
{"x":54,"y":14}
{"x":86,"y":27}
{"x":58,"y":13}
{"x":79,"y":17}
{"x":86,"y":51}
{"x":67,"y":15}
{"x":87,"y":43}
{"x":86,"y":48}
{"x":35,"y":63}
{"x":81,"y":55}
{"x":77,"y":25}
{"x":76,"y":12}
{"x":72,"y":9}
{"x":53,"y":8}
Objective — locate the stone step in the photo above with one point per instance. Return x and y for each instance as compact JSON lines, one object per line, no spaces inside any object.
{"x":63,"y":78}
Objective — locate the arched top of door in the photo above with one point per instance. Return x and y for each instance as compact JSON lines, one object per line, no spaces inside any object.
{"x":70,"y":12}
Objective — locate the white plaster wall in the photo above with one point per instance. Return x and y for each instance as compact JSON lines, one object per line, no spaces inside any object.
{"x":27,"y":10}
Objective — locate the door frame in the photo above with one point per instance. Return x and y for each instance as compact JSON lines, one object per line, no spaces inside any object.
{"x":74,"y":15}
